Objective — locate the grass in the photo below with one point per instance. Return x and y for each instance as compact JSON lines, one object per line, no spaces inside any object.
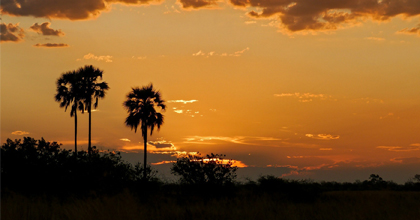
{"x":242,"y":205}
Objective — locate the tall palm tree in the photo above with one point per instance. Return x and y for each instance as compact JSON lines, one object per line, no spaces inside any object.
{"x":69,"y":93}
{"x":92,"y":89}
{"x":141,"y":104}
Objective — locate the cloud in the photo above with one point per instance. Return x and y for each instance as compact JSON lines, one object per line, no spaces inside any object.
{"x":406,"y":160}
{"x":63,"y":9}
{"x":235,"y":163}
{"x":239,"y":53}
{"x":162,"y":144}
{"x":415,"y":30}
{"x":375,"y":38}
{"x":325,"y":148}
{"x":20,"y":132}
{"x":248,"y":140}
{"x":412,"y":147}
{"x":45,"y":29}
{"x":182,"y":101}
{"x":164,"y":162}
{"x":213,"y":53}
{"x":106,"y":58}
{"x":79,"y":142}
{"x":306,"y":97}
{"x":250,"y":22}
{"x":11,"y":32}
{"x":125,"y":139}
{"x":51,"y":45}
{"x":301,"y":15}
{"x":195,"y":4}
{"x":323,"y":136}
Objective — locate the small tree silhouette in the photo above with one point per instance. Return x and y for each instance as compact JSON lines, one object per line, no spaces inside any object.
{"x":375,"y":178}
{"x":212,"y":169}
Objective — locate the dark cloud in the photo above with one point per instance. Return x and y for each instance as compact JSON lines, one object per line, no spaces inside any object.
{"x":11,"y":32}
{"x":63,"y":9}
{"x":298,"y":15}
{"x":186,"y":4}
{"x":45,"y":29}
{"x":415,"y":30}
{"x":161,"y":144}
{"x":51,"y":45}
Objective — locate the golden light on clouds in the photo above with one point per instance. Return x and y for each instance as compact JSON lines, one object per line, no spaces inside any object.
{"x":20,"y":133}
{"x":106,"y":58}
{"x":323,"y":136}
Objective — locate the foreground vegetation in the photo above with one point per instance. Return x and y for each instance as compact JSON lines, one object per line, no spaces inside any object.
{"x":42,"y":181}
{"x":244,"y":204}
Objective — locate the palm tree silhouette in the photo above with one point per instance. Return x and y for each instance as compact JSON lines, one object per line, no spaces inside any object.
{"x":69,"y":92}
{"x":92,"y":88}
{"x":141,"y":106}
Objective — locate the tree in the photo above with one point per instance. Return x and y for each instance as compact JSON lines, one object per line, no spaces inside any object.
{"x":69,"y":92}
{"x":92,"y":88}
{"x":141,"y":104}
{"x":212,"y":169}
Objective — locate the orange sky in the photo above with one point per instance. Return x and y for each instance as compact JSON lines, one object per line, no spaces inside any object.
{"x":327,"y":90}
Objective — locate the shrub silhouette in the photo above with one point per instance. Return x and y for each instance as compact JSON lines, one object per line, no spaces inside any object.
{"x":212,"y":169}
{"x":38,"y":166}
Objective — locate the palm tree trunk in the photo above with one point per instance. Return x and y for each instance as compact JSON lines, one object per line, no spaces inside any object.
{"x":90,"y":129}
{"x":145,"y":154}
{"x":75,"y":133}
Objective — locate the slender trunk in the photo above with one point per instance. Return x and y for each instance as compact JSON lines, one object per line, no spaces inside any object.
{"x":145,"y":154}
{"x":75,"y":133}
{"x":90,"y":129}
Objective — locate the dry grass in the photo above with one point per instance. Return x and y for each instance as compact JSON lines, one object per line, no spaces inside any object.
{"x":331,"y":205}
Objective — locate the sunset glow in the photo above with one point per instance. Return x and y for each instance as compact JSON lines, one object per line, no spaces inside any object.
{"x":327,"y":90}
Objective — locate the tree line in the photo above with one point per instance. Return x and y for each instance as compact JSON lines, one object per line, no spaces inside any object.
{"x":31,"y":166}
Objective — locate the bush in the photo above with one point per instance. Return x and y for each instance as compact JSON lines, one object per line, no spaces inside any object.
{"x":38,"y":166}
{"x":212,"y":169}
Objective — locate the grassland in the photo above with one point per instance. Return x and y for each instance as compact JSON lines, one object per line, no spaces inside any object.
{"x":243,"y":204}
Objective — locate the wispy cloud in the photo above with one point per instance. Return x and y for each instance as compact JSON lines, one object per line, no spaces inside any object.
{"x":248,"y":140}
{"x":306,"y":97}
{"x":79,"y":142}
{"x":89,"y":56}
{"x":125,"y":139}
{"x":375,"y":38}
{"x":325,"y":148}
{"x":45,"y":29}
{"x":235,"y":163}
{"x":406,"y":160}
{"x":51,"y":45}
{"x":415,"y":30}
{"x":172,"y":9}
{"x":412,"y":147}
{"x":250,"y":22}
{"x":20,"y":132}
{"x":164,"y":162}
{"x":213,"y":53}
{"x":182,"y":101}
{"x":11,"y":32}
{"x":323,"y":136}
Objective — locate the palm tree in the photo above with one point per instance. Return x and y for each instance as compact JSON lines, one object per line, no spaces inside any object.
{"x":69,"y":93}
{"x":92,"y":89}
{"x":141,"y":106}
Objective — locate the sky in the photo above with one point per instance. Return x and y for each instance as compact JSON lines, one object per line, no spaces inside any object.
{"x":323,"y":90}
